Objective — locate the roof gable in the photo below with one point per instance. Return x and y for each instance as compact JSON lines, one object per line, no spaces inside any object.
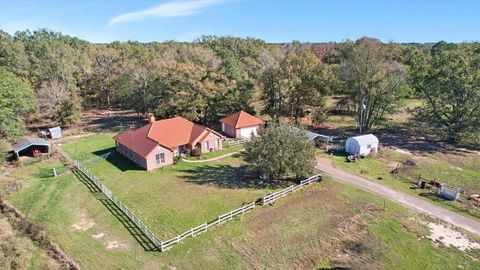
{"x":168,"y":133}
{"x":175,"y":131}
{"x":241,"y":119}
{"x":137,"y":140}
{"x":365,"y":139}
{"x":27,"y":142}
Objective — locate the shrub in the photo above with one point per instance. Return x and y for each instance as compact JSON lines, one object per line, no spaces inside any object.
{"x":197,"y":152}
{"x":176,"y":159}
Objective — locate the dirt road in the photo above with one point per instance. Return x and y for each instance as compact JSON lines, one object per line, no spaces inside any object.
{"x":400,"y":197}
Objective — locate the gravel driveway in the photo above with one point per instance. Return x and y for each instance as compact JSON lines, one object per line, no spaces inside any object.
{"x":400,"y":197}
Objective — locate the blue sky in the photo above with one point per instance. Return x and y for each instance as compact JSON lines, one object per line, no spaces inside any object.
{"x":273,"y":21}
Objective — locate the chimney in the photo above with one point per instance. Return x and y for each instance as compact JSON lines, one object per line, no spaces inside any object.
{"x":152,"y":119}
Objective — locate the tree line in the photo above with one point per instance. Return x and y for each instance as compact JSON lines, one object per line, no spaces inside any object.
{"x":49,"y":76}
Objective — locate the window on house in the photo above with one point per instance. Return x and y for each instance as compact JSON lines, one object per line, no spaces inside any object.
{"x":217,"y":143}
{"x":206,"y":145}
{"x":160,"y":158}
{"x":369,"y":146}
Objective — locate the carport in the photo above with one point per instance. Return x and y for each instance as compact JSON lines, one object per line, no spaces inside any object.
{"x":32,"y":147}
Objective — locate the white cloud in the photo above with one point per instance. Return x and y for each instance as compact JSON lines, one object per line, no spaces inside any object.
{"x":165,"y":10}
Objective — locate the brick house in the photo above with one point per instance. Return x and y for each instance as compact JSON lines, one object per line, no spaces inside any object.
{"x":241,"y":125}
{"x":157,"y":143}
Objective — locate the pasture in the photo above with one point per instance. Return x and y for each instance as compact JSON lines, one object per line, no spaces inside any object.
{"x":326,"y":225}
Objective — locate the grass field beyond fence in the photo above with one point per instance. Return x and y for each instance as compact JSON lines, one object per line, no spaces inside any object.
{"x":177,"y":197}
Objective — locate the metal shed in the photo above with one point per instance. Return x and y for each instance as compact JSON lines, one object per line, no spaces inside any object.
{"x":55,"y":132}
{"x":362,"y":145}
{"x":31,"y":147}
{"x":312,"y":136}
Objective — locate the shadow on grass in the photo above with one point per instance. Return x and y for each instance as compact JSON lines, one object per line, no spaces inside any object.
{"x":115,"y":211}
{"x":227,"y":176}
{"x":118,"y":160}
{"x":432,"y":196}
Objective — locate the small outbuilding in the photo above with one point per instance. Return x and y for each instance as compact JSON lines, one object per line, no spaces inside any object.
{"x":317,"y":138}
{"x":55,"y":132}
{"x":241,"y":125}
{"x":362,"y":145}
{"x":32,"y":147}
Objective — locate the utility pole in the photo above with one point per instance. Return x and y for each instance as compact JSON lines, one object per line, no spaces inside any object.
{"x":362,"y":112}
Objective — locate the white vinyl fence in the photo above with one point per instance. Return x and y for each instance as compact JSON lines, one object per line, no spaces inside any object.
{"x":165,"y":245}
{"x":123,"y":208}
{"x":161,"y":246}
{"x":205,"y":226}
{"x":270,"y":198}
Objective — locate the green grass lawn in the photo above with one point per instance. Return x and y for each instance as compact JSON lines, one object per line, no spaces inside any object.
{"x":306,"y":230}
{"x":462,"y":171}
{"x":309,"y":229}
{"x":174,"y":198}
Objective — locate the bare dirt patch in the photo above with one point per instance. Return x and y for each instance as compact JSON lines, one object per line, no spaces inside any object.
{"x":5,"y":227}
{"x":449,"y":236}
{"x":115,"y":244}
{"x":83,"y":225}
{"x":98,"y":236}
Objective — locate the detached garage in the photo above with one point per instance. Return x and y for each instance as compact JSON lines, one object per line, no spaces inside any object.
{"x":362,"y":145}
{"x":241,"y":125}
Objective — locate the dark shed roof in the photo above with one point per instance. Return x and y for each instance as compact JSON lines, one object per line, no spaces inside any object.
{"x":27,"y":142}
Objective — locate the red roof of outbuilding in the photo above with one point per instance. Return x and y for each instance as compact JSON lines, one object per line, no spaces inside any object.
{"x":241,"y":119}
{"x":168,"y":133}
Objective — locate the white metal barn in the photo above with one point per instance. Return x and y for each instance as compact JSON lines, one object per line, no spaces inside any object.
{"x":362,"y":145}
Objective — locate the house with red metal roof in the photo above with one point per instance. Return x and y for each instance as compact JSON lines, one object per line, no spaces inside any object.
{"x":241,"y":125}
{"x":157,"y":143}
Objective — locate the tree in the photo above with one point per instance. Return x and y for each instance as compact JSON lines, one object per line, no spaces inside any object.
{"x":273,"y":94}
{"x":373,"y":79}
{"x":297,"y":87}
{"x":13,"y":56}
{"x":281,"y":151}
{"x":104,"y":72}
{"x":16,"y":99}
{"x":69,"y":111}
{"x":58,"y":64}
{"x":449,"y":80}
{"x":50,"y":96}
